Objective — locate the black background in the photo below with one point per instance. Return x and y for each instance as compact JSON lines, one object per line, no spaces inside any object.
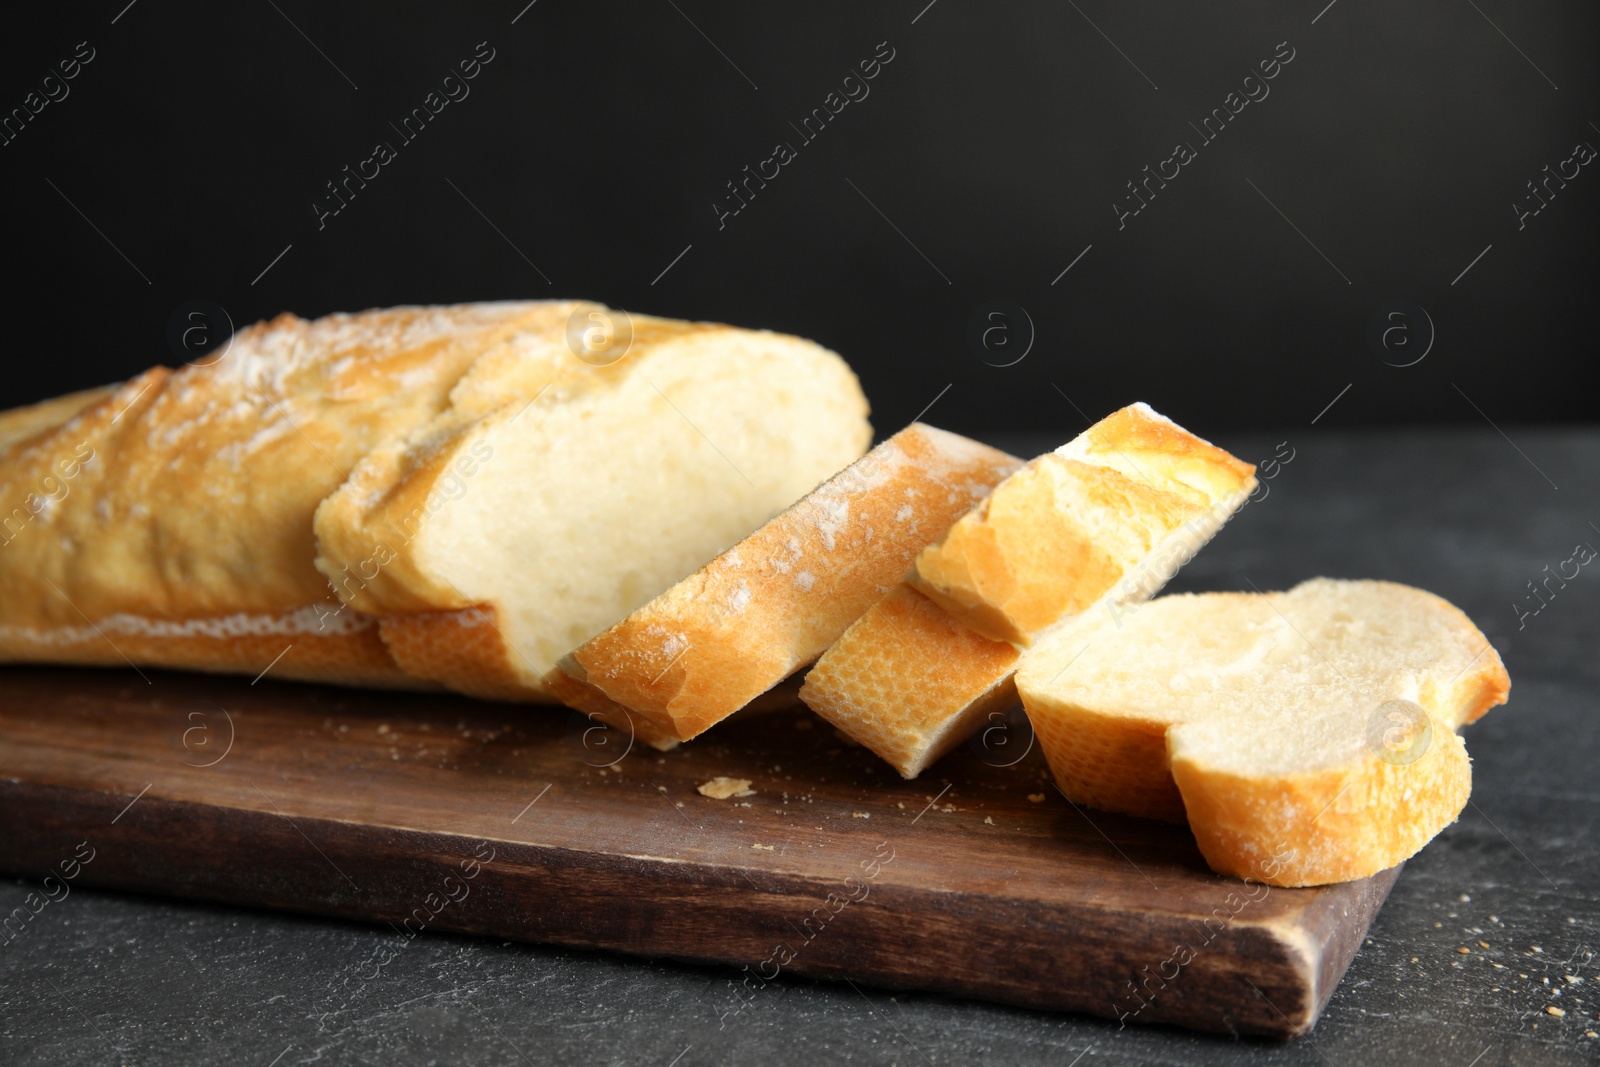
{"x":995,"y":143}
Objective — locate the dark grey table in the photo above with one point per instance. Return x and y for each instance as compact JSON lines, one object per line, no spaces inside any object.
{"x":1472,"y":515}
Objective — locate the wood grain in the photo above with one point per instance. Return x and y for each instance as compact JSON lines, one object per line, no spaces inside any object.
{"x":437,"y":812}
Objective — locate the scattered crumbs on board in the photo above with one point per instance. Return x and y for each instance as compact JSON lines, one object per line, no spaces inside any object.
{"x":722,"y":787}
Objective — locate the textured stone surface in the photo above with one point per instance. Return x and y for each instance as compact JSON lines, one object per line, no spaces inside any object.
{"x":99,"y":978}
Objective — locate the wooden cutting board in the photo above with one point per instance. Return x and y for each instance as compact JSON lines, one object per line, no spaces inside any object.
{"x":430,"y":812}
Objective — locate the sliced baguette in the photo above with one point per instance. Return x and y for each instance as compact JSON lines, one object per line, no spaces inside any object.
{"x":1306,"y":737}
{"x":1102,"y":522}
{"x":479,"y":497}
{"x":168,"y":520}
{"x":552,"y":498}
{"x":771,"y":604}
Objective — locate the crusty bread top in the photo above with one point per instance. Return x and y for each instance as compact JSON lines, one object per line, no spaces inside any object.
{"x":19,"y":424}
{"x":775,"y":601}
{"x":190,"y":493}
{"x":1063,"y":532}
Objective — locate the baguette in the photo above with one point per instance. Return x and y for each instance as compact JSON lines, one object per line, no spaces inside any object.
{"x":1102,"y":522}
{"x":1306,"y":737}
{"x":412,"y":497}
{"x":771,"y":604}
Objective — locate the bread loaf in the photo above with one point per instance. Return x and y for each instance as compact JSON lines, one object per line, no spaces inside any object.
{"x":773,"y":602}
{"x":408,"y":497}
{"x":1306,"y":737}
{"x":1099,"y":523}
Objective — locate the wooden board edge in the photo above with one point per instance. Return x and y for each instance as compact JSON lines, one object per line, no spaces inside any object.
{"x":888,"y":935}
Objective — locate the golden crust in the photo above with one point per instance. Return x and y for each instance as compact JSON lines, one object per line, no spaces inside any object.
{"x":908,"y":681}
{"x":186,"y":496}
{"x":463,"y":650}
{"x":1111,"y":762}
{"x":278,"y":647}
{"x":1324,"y":826}
{"x":773,"y":603}
{"x":1062,"y":532}
{"x":601,"y":708}
{"x":18,"y":424}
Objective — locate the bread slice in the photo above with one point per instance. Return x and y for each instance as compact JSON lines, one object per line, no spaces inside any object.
{"x":1100,"y":523}
{"x":479,"y":497}
{"x":1306,"y":737}
{"x":768,"y":606}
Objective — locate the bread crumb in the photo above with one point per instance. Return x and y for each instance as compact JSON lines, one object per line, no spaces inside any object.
{"x":1464,"y":899}
{"x":988,"y":820}
{"x":1553,"y":1010}
{"x":764,"y":848}
{"x":860,"y":815}
{"x":722,"y":787}
{"x":1463,"y":951}
{"x":1483,"y":944}
{"x":383,"y":727}
{"x":1037,"y":798}
{"x":1573,"y":979}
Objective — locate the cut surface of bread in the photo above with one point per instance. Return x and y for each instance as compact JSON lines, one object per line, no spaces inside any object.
{"x":1306,"y":737}
{"x":553,"y":497}
{"x":450,"y":472}
{"x":1100,"y":523}
{"x":772,"y":603}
